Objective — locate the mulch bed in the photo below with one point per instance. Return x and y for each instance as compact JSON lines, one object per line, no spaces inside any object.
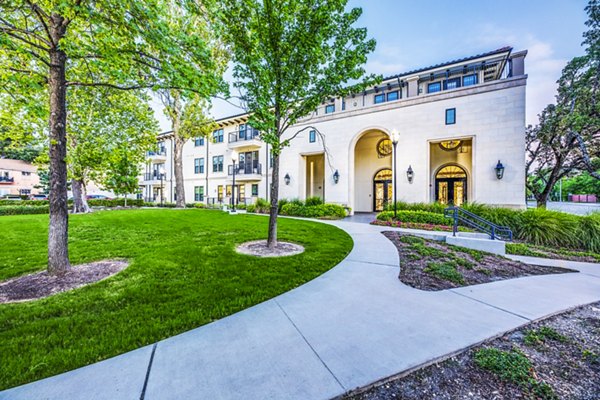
{"x":259,"y":248}
{"x":433,"y":265}
{"x":41,"y":284}
{"x":569,"y":364}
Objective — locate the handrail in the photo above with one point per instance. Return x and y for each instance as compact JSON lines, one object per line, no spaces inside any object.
{"x":475,"y":221}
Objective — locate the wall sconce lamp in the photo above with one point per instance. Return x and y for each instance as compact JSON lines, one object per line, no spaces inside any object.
{"x":410,"y":174}
{"x":287,"y":179}
{"x":336,"y":177}
{"x":499,"y":170}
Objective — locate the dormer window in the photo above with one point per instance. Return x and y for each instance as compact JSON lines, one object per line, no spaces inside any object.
{"x":453,"y":83}
{"x":469,"y":80}
{"x":434,"y":87}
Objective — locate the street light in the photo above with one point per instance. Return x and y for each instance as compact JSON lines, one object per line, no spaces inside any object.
{"x":233,"y":187}
{"x":395,"y":138}
{"x":161,"y":172}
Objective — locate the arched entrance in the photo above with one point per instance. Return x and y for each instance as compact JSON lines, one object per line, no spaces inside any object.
{"x":451,"y":185}
{"x":370,"y":153}
{"x":382,"y":188}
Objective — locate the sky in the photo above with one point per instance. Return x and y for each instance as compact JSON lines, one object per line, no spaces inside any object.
{"x":412,"y":34}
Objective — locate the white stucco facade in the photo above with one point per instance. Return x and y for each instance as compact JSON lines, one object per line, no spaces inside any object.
{"x":486,"y":92}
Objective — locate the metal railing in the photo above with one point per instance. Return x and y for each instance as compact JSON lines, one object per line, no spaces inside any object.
{"x":240,"y":136}
{"x":7,"y":179}
{"x":474,"y":221}
{"x":153,"y":176}
{"x":255,"y":169}
{"x":160,"y":152}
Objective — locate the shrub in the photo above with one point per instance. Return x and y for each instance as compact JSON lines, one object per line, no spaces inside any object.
{"x":551,"y":228}
{"x":589,"y":232}
{"x":421,"y":217}
{"x":4,"y":202}
{"x":23,"y":210}
{"x":281,"y":203}
{"x":318,"y":211}
{"x":115,"y":203}
{"x":437,"y":208}
{"x":313,"y":201}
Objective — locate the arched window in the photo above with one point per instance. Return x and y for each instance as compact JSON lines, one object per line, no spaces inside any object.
{"x":451,"y":171}
{"x":384,"y":175}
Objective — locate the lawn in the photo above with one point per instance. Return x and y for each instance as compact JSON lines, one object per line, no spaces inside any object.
{"x":184,"y":273}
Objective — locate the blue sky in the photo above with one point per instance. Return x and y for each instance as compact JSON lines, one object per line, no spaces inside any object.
{"x":417,"y":33}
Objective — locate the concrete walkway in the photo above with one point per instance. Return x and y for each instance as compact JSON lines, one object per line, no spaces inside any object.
{"x":353,"y":325}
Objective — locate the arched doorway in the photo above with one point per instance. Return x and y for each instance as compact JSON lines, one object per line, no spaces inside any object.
{"x":451,"y":185}
{"x":382,"y":189}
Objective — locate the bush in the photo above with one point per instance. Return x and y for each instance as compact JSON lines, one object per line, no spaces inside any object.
{"x":589,"y":232}
{"x":437,"y":208}
{"x":550,"y":228}
{"x":23,"y":210}
{"x":195,"y":205}
{"x":4,"y":202}
{"x":313,"y":201}
{"x":115,"y":203}
{"x":316,"y":211}
{"x":281,"y":203}
{"x":421,"y":217}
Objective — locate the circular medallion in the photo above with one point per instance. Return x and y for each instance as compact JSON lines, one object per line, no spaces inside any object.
{"x":384,"y":147}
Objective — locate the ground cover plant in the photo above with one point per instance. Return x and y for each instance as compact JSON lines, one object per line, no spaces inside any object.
{"x":433,"y":265}
{"x":525,"y":249}
{"x":557,"y":358}
{"x":183,"y":273}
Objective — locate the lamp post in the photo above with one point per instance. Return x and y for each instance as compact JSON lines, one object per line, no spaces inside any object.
{"x":395,"y":138}
{"x":233,"y":187}
{"x":161,"y":172}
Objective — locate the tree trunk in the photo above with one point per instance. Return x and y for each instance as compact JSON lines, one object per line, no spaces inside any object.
{"x":58,"y":254}
{"x":178,"y":161}
{"x":80,"y":204}
{"x":272,"y":237}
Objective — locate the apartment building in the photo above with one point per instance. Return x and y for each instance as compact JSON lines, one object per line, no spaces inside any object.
{"x":459,"y":129}
{"x":18,"y":178}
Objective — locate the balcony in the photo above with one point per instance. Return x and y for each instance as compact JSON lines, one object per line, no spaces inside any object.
{"x":158,"y":156}
{"x":245,"y":173}
{"x":5,"y":180}
{"x":153,"y":177}
{"x":247,"y":138}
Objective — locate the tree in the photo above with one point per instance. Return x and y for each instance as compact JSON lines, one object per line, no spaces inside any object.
{"x":121,"y":176}
{"x":290,"y":56}
{"x":188,"y":120}
{"x":568,"y":134}
{"x":125,"y":44}
{"x":106,"y":124}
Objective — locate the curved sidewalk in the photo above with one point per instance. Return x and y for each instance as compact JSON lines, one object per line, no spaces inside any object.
{"x":351,"y":326}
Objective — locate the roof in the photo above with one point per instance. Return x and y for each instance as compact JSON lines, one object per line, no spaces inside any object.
{"x":460,"y":60}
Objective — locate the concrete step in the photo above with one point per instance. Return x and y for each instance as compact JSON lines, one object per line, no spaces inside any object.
{"x":488,"y":245}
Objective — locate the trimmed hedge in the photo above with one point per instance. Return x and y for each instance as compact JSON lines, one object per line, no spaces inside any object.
{"x":115,"y":203}
{"x":536,"y":225}
{"x":420,"y":217}
{"x":23,"y":210}
{"x":316,"y":211}
{"x":4,"y":202}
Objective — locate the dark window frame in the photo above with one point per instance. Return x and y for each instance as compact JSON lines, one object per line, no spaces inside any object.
{"x":475,"y":80}
{"x":312,"y":136}
{"x":218,"y":163}
{"x":396,"y":92}
{"x":254,"y":189}
{"x":329,"y":108}
{"x":199,"y":141}
{"x":379,"y":98}
{"x":450,"y":116}
{"x":434,"y":84}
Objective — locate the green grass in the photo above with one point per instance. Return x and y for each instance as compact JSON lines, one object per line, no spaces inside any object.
{"x":184,"y":273}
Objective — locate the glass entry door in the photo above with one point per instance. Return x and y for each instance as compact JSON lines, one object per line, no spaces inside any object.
{"x":451,"y":186}
{"x":382,"y":189}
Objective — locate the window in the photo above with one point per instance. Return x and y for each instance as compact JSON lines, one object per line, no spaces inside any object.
{"x":255,"y":189}
{"x":218,"y":136}
{"x":161,"y":148}
{"x":218,"y":164}
{"x":199,"y":165}
{"x":242,"y":131}
{"x":391,"y":96}
{"x":199,"y":141}
{"x":450,"y":116}
{"x":329,"y":108}
{"x":312,"y":136}
{"x":343,"y":104}
{"x":198,"y":193}
{"x":434,"y":87}
{"x":220,"y":193}
{"x":453,"y":83}
{"x":25,"y":173}
{"x":379,"y":98}
{"x":469,"y":80}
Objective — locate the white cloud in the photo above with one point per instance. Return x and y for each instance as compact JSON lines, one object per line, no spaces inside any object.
{"x":542,"y":66}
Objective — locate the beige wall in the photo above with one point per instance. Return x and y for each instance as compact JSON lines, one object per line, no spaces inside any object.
{"x":24,"y":174}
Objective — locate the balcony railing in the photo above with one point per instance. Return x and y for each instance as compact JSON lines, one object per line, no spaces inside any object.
{"x":160,"y":152}
{"x":6,"y":179}
{"x":240,"y":136}
{"x":242,"y":169}
{"x":152,"y":176}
